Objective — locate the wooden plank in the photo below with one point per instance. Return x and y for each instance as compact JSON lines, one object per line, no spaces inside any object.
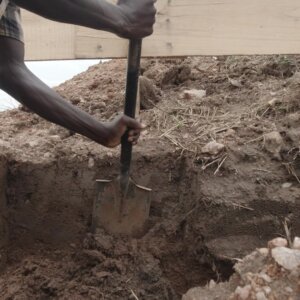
{"x":183,"y":28}
{"x":45,"y":39}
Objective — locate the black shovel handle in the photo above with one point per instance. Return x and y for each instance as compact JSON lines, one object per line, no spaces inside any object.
{"x":133,"y":70}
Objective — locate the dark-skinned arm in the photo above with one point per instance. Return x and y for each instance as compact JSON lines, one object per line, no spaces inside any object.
{"x":128,"y":19}
{"x":17,"y":80}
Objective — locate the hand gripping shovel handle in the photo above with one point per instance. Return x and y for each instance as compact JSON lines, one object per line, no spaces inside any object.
{"x":133,"y":69}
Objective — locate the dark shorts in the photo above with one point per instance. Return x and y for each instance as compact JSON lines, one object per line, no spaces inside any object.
{"x":10,"y":20}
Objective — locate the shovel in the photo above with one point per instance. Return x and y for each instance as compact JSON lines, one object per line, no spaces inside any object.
{"x":122,"y":206}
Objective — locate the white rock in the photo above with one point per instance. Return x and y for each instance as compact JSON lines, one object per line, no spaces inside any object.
{"x":287,"y":258}
{"x":243,"y":292}
{"x":278,"y":242}
{"x":267,"y":290}
{"x":55,"y":138}
{"x":261,"y":296}
{"x":34,"y":143}
{"x":91,"y":163}
{"x":286,"y":185}
{"x":296,"y":243}
{"x":263,"y":251}
{"x":197,"y":94}
{"x":265,"y":277}
{"x":274,"y":102}
{"x":212,"y":284}
{"x":213,"y":148}
{"x":235,"y":83}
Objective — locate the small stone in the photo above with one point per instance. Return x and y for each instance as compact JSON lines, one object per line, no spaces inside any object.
{"x":48,"y":155}
{"x":278,"y":242}
{"x":265,"y":277}
{"x":72,"y":245}
{"x":33,"y":143}
{"x":263,"y":251}
{"x":286,"y":185}
{"x":235,"y":83}
{"x":230,"y":133}
{"x":289,"y":289}
{"x":296,"y":243}
{"x":103,"y":242}
{"x":109,"y":154}
{"x":91,"y":163}
{"x":212,"y":284}
{"x":273,"y":102}
{"x":287,"y":258}
{"x":197,"y":94}
{"x":243,"y":292}
{"x":267,"y":290}
{"x":213,"y":148}
{"x":55,"y":138}
{"x":261,"y":296}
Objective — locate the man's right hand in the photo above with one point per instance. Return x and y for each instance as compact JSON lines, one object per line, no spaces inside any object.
{"x":138,"y":18}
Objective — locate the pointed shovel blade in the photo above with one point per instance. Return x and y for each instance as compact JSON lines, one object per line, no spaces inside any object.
{"x":119,"y":211}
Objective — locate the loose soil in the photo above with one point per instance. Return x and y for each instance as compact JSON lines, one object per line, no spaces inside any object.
{"x":208,"y":209}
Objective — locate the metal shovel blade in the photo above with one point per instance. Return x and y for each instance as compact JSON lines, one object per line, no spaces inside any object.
{"x":121,"y":212}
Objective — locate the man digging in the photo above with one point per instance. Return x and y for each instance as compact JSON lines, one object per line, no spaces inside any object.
{"x":130,"y":19}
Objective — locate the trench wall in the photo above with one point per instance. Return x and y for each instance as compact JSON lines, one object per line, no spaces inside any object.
{"x":51,"y":203}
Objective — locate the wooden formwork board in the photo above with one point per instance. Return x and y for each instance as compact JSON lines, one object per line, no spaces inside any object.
{"x":183,"y":28}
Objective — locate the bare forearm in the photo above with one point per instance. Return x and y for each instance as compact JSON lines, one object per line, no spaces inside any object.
{"x":20,"y":83}
{"x":97,"y":14}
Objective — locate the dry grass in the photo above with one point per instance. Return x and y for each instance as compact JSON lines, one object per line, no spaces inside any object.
{"x":189,"y":125}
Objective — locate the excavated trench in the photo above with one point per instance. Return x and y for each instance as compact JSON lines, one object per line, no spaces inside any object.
{"x":199,"y":225}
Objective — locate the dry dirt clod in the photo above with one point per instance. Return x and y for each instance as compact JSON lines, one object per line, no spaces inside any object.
{"x":196,"y":94}
{"x":103,"y":242}
{"x":213,"y":148}
{"x":149,"y":93}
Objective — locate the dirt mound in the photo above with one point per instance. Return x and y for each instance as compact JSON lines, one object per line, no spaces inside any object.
{"x":267,"y":273}
{"x":221,"y":153}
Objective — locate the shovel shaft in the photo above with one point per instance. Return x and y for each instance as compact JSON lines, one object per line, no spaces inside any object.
{"x":133,"y":69}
